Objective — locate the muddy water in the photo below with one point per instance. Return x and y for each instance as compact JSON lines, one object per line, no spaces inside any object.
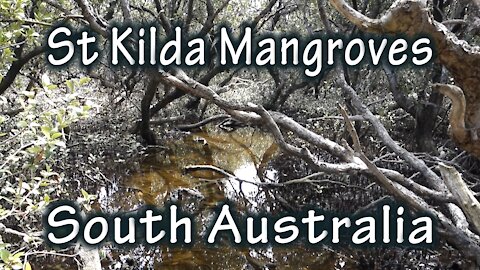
{"x":237,"y":161}
{"x":243,"y":154}
{"x":241,"y":158}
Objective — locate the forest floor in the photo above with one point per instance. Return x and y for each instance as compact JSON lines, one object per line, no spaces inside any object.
{"x":119,"y":174}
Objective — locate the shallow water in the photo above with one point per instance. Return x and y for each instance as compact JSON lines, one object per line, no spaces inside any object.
{"x":167,"y":176}
{"x":243,"y":154}
{"x":237,"y":162}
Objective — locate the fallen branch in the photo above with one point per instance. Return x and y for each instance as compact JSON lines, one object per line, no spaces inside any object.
{"x":461,"y":192}
{"x":303,"y":180}
{"x":219,"y":117}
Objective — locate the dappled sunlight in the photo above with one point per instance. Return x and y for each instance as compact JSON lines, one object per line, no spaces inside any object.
{"x":242,"y":153}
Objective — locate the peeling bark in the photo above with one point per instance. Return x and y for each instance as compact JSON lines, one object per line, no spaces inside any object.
{"x":454,"y":227}
{"x":465,"y":137}
{"x":411,"y":18}
{"x":457,"y":114}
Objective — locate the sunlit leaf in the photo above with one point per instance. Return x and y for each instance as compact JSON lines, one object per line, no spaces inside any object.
{"x":22,"y":124}
{"x":85,"y":194}
{"x":17,"y":255}
{"x":70,"y":85}
{"x":84,"y":80}
{"x":34,"y":149}
{"x":56,"y":135}
{"x":52,"y":86}
{"x":46,"y":131}
{"x":4,"y":255}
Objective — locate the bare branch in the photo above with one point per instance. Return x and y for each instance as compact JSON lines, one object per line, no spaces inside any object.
{"x":124,"y":4}
{"x":400,"y":98}
{"x":163,"y":19}
{"x":92,"y":20}
{"x":189,"y":17}
{"x":208,"y":24}
{"x":462,"y":193}
{"x":360,"y":20}
{"x":219,"y":117}
{"x":264,"y":12}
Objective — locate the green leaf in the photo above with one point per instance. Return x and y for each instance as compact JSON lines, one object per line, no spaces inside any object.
{"x":17,"y":255}
{"x":70,"y":85}
{"x":56,"y":135}
{"x":22,"y":124}
{"x":4,"y":255}
{"x":46,"y":131}
{"x":34,"y":149}
{"x":27,"y":266}
{"x":85,"y":194}
{"x":84,"y":80}
{"x":52,"y":86}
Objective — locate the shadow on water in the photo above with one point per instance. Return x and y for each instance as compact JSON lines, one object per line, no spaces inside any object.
{"x":242,"y":154}
{"x":199,"y":171}
{"x":234,"y":160}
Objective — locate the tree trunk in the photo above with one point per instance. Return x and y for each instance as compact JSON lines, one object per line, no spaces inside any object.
{"x":145,"y":131}
{"x":411,"y":18}
{"x":427,"y":115}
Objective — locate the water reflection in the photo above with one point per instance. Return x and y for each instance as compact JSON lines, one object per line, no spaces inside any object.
{"x":243,"y":154}
{"x":240,"y":159}
{"x":244,"y":157}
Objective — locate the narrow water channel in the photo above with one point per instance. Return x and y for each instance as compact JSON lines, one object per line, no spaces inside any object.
{"x":199,"y":171}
